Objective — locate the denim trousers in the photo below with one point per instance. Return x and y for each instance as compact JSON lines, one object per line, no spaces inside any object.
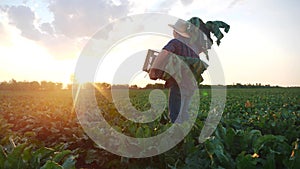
{"x":179,"y":103}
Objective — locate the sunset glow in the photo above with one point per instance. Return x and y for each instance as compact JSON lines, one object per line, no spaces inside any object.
{"x":45,"y":44}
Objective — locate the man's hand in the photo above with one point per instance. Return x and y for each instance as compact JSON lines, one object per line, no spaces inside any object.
{"x":159,"y":62}
{"x":152,"y":74}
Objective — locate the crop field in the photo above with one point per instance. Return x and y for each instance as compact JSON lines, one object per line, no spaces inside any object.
{"x":259,"y":128}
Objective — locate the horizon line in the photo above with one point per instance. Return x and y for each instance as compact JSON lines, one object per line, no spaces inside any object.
{"x":232,"y":84}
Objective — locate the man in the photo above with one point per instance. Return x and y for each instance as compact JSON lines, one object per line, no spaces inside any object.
{"x":180,"y":93}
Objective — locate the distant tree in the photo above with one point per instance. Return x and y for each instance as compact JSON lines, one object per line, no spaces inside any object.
{"x":4,"y":86}
{"x":133,"y":87}
{"x":35,"y":85}
{"x":103,"y":86}
{"x":155,"y":86}
{"x":239,"y":85}
{"x":120,"y":86}
{"x":58,"y":86}
{"x":13,"y":84}
{"x":50,"y":85}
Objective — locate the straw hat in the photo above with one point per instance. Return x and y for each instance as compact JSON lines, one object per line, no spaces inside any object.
{"x":180,"y":27}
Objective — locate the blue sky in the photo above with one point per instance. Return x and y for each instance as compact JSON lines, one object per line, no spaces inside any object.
{"x":42,"y":40}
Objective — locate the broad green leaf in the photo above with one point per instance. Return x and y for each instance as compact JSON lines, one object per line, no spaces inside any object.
{"x":60,"y":155}
{"x":2,"y":157}
{"x":245,"y":161}
{"x":253,"y":135}
{"x":132,"y":129}
{"x":229,"y":138}
{"x":261,"y":141}
{"x":118,"y":129}
{"x":14,"y":159}
{"x":220,"y":132}
{"x":224,"y":159}
{"x":27,"y":154}
{"x":139,"y":133}
{"x":193,"y":162}
{"x":51,"y":165}
{"x":270,"y":161}
{"x":293,"y":162}
{"x":69,"y":163}
{"x":215,"y":147}
{"x":41,"y":155}
{"x":147,"y":132}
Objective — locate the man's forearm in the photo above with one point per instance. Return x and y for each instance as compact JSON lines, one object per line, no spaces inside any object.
{"x":161,"y":59}
{"x":158,"y":63}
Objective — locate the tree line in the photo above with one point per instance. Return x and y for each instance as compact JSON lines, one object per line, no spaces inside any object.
{"x":33,"y":85}
{"x":49,"y":86}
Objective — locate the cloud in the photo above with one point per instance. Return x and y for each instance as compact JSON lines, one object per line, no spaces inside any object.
{"x":47,"y":28}
{"x":162,"y":6}
{"x":23,"y":18}
{"x":187,"y":2}
{"x":77,"y":18}
{"x":233,"y":3}
{"x":71,"y":22}
{"x":83,"y":18}
{"x":61,"y":47}
{"x":76,"y":21}
{"x":5,"y":38}
{"x":1,"y":28}
{"x":3,"y":8}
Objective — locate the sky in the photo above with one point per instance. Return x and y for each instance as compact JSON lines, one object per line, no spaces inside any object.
{"x":42,"y":40}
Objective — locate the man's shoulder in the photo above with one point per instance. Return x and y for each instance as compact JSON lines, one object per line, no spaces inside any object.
{"x":174,"y":41}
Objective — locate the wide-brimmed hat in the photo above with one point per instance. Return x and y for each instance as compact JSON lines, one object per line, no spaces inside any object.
{"x":180,"y":27}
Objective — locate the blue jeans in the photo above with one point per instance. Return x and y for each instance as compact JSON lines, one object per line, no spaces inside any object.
{"x":179,"y":103}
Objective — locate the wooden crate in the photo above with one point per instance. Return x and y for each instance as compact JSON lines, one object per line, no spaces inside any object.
{"x":151,"y":55}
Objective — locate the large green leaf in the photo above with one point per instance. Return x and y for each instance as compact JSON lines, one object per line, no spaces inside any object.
{"x":69,"y":163}
{"x":27,"y":154}
{"x":60,"y":155}
{"x":41,"y":156}
{"x":253,"y":135}
{"x":3,"y":157}
{"x":139,"y":133}
{"x":14,"y":158}
{"x":263,"y":140}
{"x":51,"y":165}
{"x":270,"y":161}
{"x":229,"y":138}
{"x":215,"y":147}
{"x":294,"y":161}
{"x":193,"y":161}
{"x":220,"y":132}
{"x":147,"y":131}
{"x":245,"y":161}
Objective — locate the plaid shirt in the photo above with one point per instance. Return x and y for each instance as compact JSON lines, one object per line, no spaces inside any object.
{"x":178,"y":47}
{"x":176,"y":70}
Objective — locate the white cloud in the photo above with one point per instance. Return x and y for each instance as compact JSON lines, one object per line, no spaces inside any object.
{"x":84,"y":18}
{"x":1,"y":29}
{"x":47,"y":28}
{"x":23,"y":18}
{"x":71,"y":21}
{"x":234,"y":3}
{"x":186,"y":2}
{"x":81,"y":19}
